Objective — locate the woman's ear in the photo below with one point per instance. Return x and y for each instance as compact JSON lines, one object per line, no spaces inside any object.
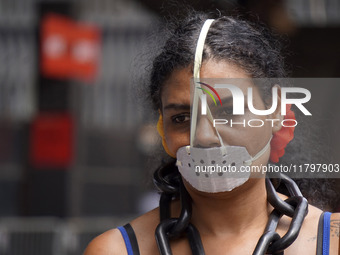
{"x":276,"y":115}
{"x":160,"y":130}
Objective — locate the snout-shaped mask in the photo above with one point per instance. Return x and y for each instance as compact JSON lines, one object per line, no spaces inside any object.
{"x":212,"y":169}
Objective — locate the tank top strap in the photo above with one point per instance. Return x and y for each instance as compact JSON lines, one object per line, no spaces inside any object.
{"x":323,"y":238}
{"x":130,"y":239}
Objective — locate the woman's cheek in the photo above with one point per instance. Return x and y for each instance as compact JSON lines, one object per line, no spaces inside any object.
{"x":176,"y":140}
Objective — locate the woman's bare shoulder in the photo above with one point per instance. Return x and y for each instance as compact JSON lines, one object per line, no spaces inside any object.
{"x":111,"y":242}
{"x":335,"y":234}
{"x":144,"y":228}
{"x":314,"y":214}
{"x":146,"y":221}
{"x":310,"y":224}
{"x":307,"y":239}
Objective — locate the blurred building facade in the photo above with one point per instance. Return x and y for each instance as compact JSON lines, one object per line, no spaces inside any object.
{"x":106,"y":160}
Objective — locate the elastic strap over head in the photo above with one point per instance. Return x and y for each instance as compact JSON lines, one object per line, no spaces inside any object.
{"x":200,"y":47}
{"x":198,"y":92}
{"x":197,"y":68}
{"x":259,"y":154}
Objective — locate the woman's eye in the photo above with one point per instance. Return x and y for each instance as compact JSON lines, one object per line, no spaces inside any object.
{"x":180,"y":118}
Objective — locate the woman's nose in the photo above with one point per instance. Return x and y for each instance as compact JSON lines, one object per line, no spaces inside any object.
{"x":206,"y":135}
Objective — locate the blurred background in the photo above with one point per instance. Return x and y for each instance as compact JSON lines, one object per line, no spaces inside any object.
{"x":77,"y":150}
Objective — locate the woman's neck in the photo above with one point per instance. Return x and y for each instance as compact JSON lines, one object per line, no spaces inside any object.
{"x":233,"y":212}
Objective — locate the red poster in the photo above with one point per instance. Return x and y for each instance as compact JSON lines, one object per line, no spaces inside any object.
{"x":51,"y":141}
{"x":69,"y":49}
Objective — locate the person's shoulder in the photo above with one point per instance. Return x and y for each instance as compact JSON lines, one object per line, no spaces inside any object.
{"x":307,"y":238}
{"x":311,"y":226}
{"x":313,"y":215}
{"x":334,"y":234}
{"x":144,"y":228}
{"x":109,"y":243}
{"x":146,"y":221}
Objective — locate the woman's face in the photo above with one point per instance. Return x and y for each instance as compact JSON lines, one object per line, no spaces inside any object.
{"x":176,"y":113}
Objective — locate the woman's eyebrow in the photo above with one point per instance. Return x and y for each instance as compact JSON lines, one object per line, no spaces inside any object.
{"x":227,"y":100}
{"x":177,"y":107}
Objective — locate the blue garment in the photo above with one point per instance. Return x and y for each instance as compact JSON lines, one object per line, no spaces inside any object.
{"x":126,"y":240}
{"x":326,"y":233}
{"x":130,"y":240}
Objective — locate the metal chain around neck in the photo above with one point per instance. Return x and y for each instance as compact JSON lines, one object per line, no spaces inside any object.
{"x":169,"y":181}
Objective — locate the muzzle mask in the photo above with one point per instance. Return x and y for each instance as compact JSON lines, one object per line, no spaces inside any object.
{"x":212,"y":169}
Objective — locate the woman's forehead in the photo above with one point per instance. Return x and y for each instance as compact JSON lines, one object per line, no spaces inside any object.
{"x":177,"y":87}
{"x":222,"y":69}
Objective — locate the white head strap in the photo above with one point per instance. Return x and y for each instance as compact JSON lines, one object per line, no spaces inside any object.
{"x":200,"y":47}
{"x":197,"y":68}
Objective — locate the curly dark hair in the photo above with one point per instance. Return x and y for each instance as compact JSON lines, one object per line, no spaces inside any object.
{"x":247,"y":45}
{"x":252,"y":47}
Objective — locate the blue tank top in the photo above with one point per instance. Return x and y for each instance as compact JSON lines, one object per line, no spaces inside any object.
{"x":129,"y":239}
{"x":324,"y":228}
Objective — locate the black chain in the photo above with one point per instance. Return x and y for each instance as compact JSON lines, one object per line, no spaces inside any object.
{"x":267,"y":243}
{"x":169,"y":181}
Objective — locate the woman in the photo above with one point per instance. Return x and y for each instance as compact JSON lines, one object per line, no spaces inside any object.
{"x":243,"y":215}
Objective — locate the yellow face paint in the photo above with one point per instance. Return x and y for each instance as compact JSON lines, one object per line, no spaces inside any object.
{"x":160,"y":130}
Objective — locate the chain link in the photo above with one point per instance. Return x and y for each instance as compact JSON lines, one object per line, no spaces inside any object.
{"x":169,"y":181}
